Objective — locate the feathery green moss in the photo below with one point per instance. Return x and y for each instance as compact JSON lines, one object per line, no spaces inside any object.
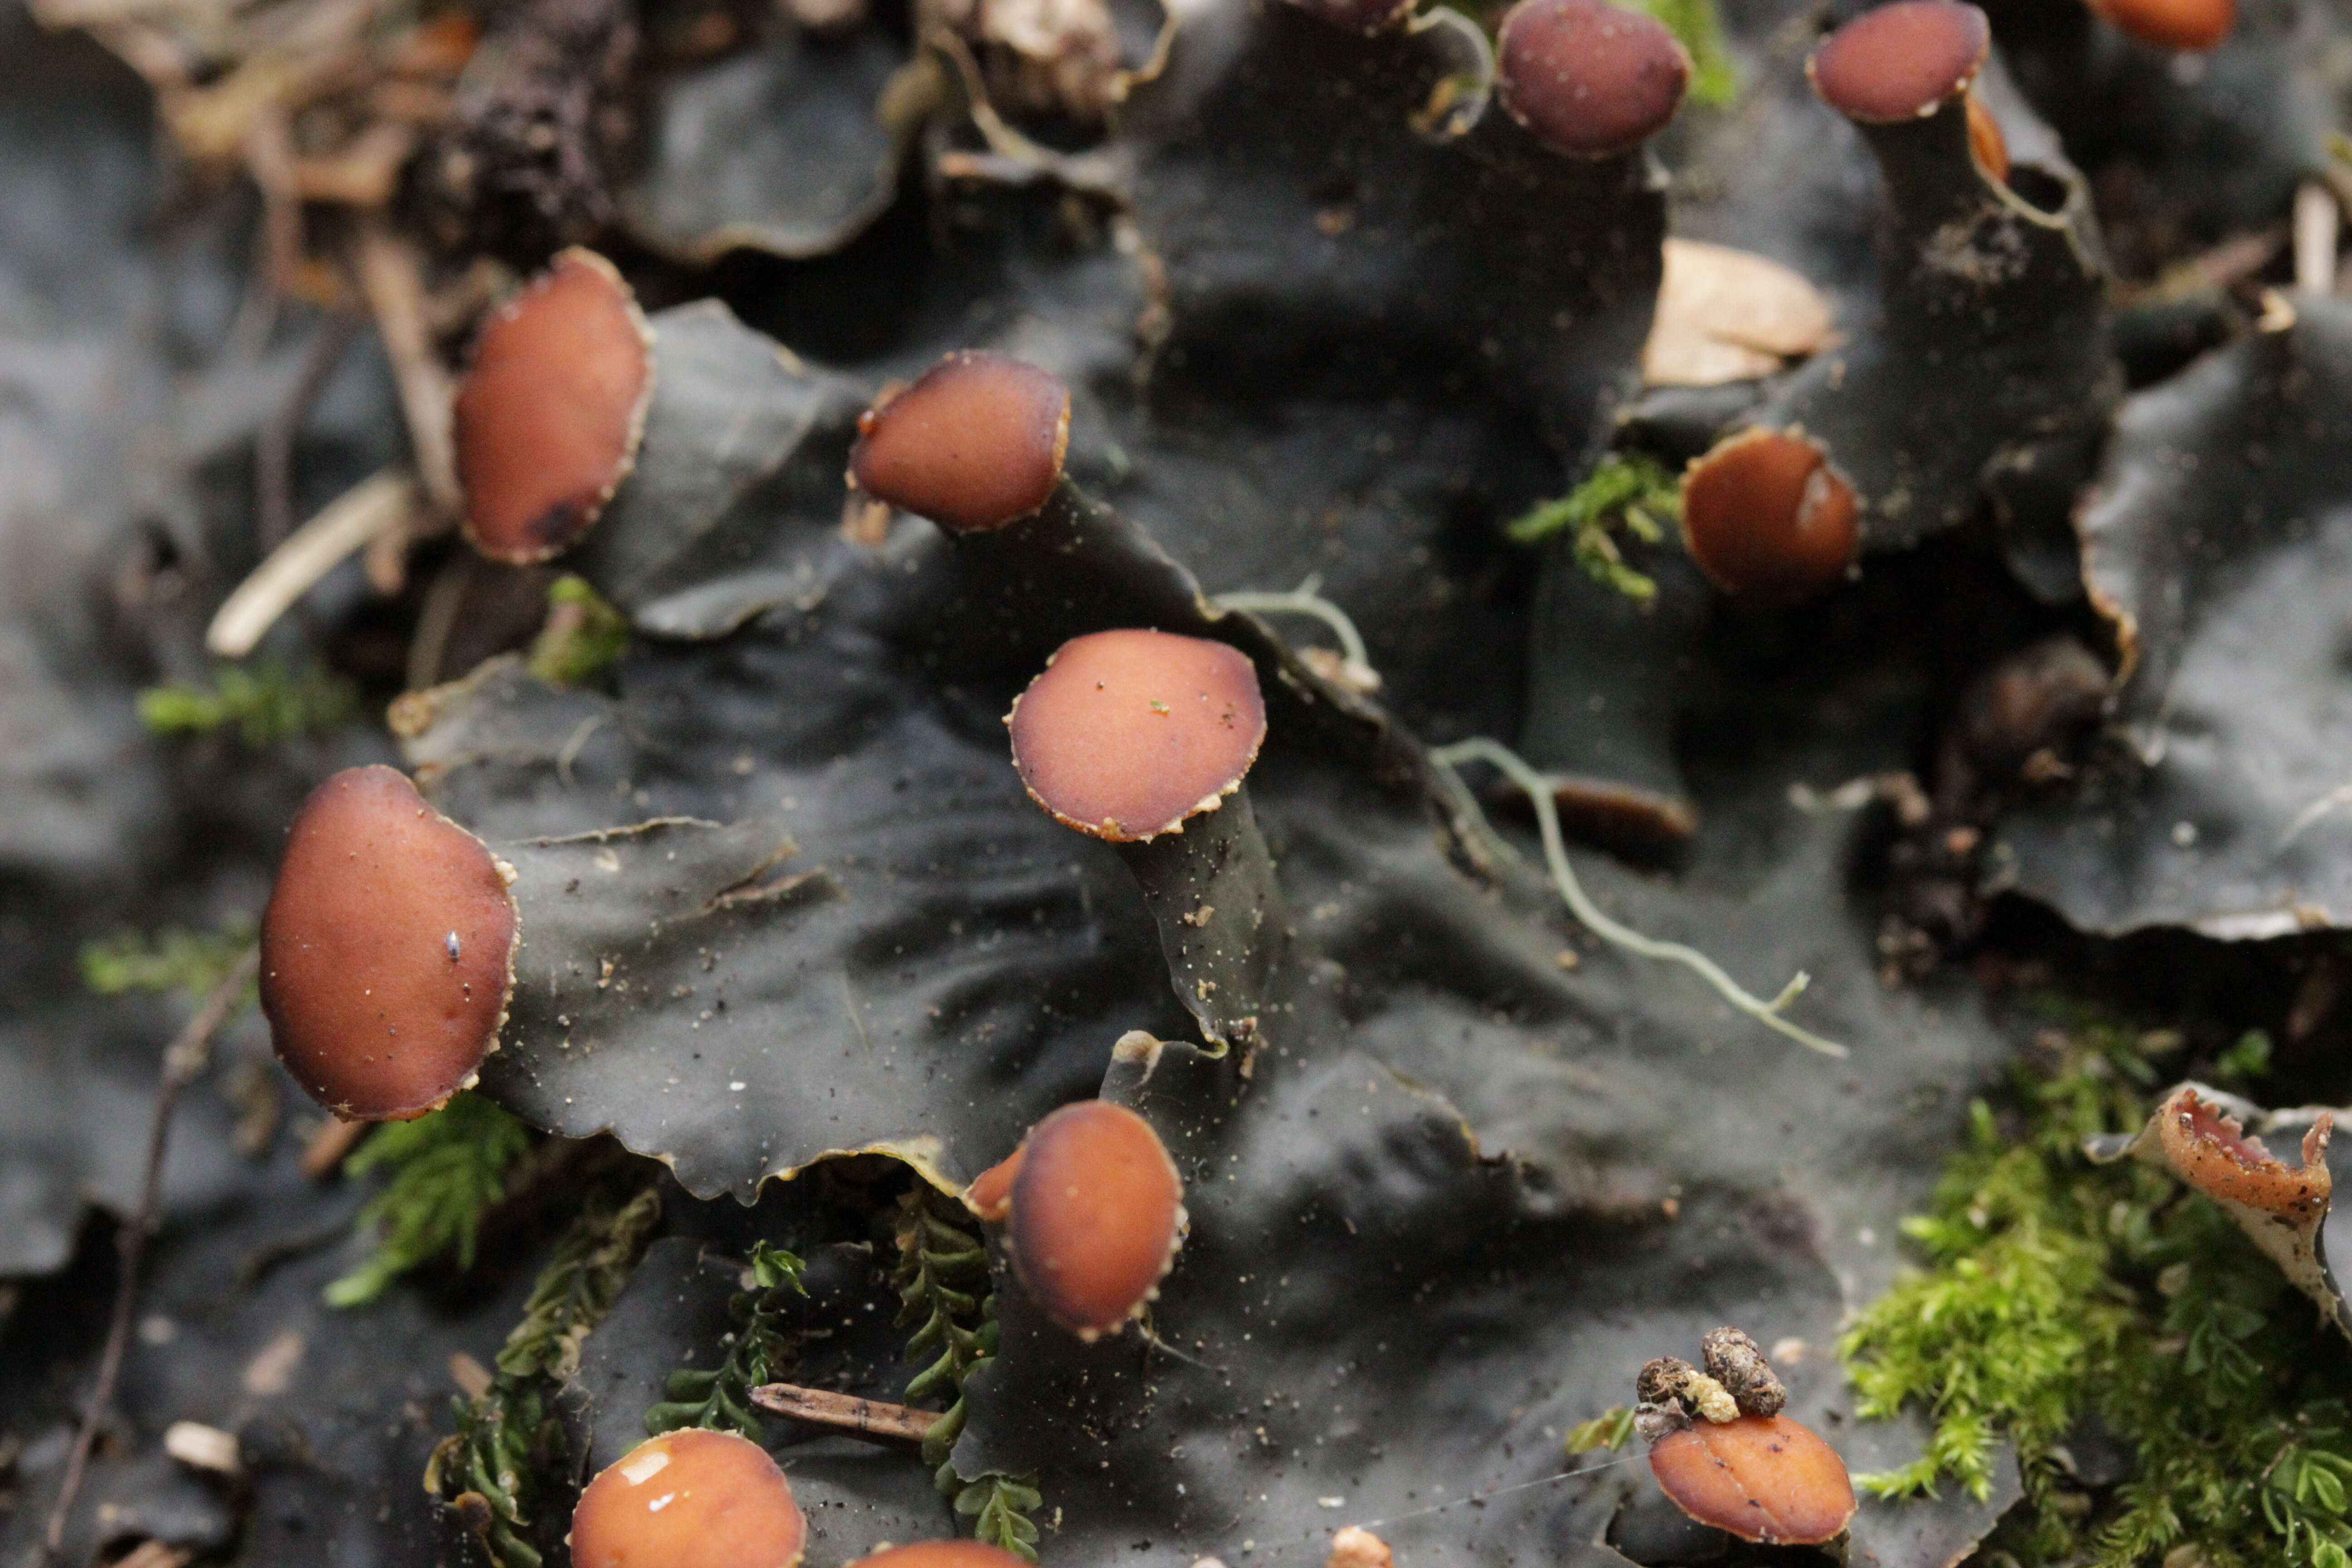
{"x":192,"y":963}
{"x":447,"y":1169}
{"x":582,"y":636}
{"x":1714,"y":80}
{"x":2056,"y":1291}
{"x":1627,"y":490}
{"x":266,"y":701}
{"x":943,"y":1280}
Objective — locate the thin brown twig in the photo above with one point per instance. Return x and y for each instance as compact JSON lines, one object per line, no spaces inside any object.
{"x":872,"y":1419}
{"x":273,"y":456}
{"x":392,"y":276}
{"x":184,"y":1059}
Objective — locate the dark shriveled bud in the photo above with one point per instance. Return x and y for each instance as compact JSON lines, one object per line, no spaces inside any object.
{"x":1735,"y":1360}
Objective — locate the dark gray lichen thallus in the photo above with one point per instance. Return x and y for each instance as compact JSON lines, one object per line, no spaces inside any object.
{"x":1134,"y":735}
{"x":1321,"y":187}
{"x":1987,"y":378}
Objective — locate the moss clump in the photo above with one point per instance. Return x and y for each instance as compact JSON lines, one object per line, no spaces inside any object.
{"x":267,"y":703}
{"x":447,"y":1169}
{"x":1713,"y":80}
{"x":192,"y":963}
{"x":1627,"y":490}
{"x":584,"y":636}
{"x":2058,"y":1292}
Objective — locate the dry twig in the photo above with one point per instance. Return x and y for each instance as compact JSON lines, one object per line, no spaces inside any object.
{"x":184,"y":1059}
{"x":872,"y":1419}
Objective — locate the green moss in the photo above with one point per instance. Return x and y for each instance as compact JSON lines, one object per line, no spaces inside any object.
{"x":582,"y":636}
{"x":1714,"y":81}
{"x":487,"y":1469}
{"x":758,"y":1350}
{"x":192,"y":963}
{"x":1627,"y":490}
{"x":2055,"y":1291}
{"x":266,"y":703}
{"x":1612,"y":1428}
{"x":943,"y":1282}
{"x":447,"y":1169}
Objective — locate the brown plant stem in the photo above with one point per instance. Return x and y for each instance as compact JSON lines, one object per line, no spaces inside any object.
{"x":870,"y":1418}
{"x":184,"y":1059}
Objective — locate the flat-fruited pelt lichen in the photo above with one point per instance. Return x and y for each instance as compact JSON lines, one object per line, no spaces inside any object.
{"x":2064,"y":1305}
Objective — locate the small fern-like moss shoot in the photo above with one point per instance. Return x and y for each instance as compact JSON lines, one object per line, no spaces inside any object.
{"x":1627,"y":490}
{"x":447,"y":1169}
{"x":172,"y":959}
{"x":719,"y":1399}
{"x":266,"y":701}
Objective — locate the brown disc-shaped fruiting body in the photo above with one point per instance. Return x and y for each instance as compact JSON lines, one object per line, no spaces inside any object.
{"x":1762,"y":1478}
{"x":1587,"y":79}
{"x":1902,"y":61}
{"x":1126,"y":733}
{"x":1368,"y":18}
{"x":692,"y":1499}
{"x":990,"y":1197}
{"x":942,"y":1554}
{"x":2189,"y":24}
{"x":548,"y":419}
{"x":1765,"y":513}
{"x":976,"y":443}
{"x":387,"y":951}
{"x":2212,"y":1153}
{"x":1986,"y":143}
{"x":1097,"y":1215}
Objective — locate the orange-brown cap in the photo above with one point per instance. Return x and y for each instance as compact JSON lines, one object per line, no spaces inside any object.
{"x":1097,"y":1216}
{"x":548,"y":420}
{"x":387,"y":951}
{"x":689,"y":1500}
{"x":1126,"y":733}
{"x":1901,"y":61}
{"x":1765,"y":513}
{"x":990,"y":1197}
{"x":976,"y":443}
{"x":2212,"y":1153}
{"x":1369,"y":17}
{"x":1762,"y":1478}
{"x":2193,"y":25}
{"x":1986,"y":142}
{"x":1586,"y":78}
{"x":942,"y":1554}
